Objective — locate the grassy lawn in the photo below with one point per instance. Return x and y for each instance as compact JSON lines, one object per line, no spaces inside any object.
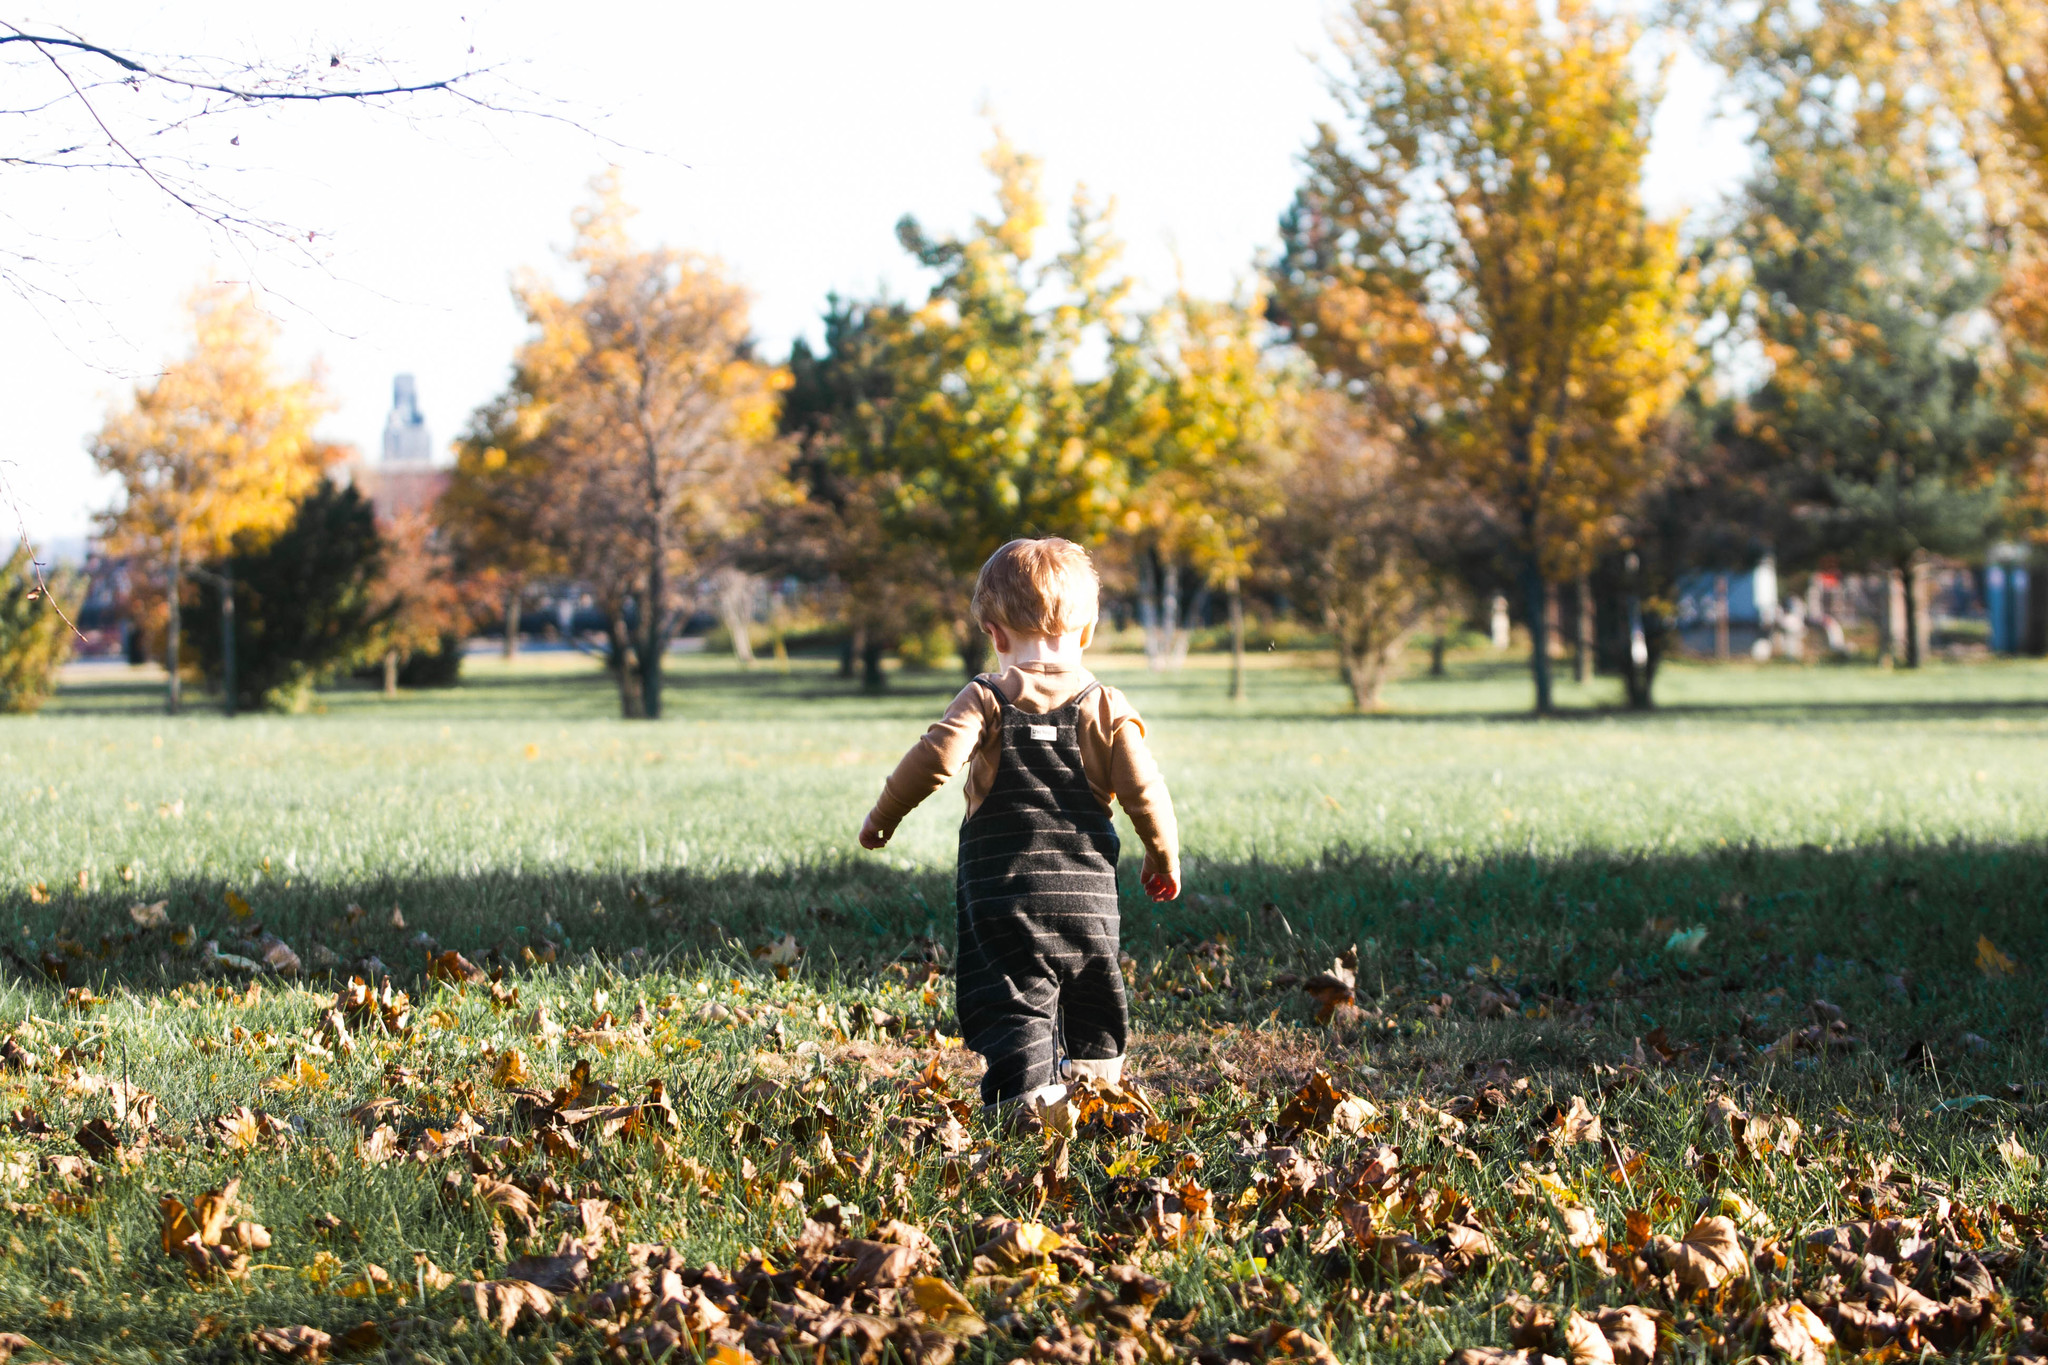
{"x":1816,"y":894}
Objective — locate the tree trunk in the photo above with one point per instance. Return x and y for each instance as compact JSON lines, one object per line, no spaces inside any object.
{"x":1582,"y":643}
{"x":1916,"y":613}
{"x":1891,"y":620}
{"x":229,"y":683}
{"x":1437,"y":645}
{"x":974,"y":650}
{"x":631,"y":697}
{"x":1236,"y":640}
{"x":511,"y":623}
{"x":850,"y":651}
{"x":1535,"y":594}
{"x":173,"y":694}
{"x":872,"y":679}
{"x":390,"y":672}
{"x":1721,"y":617}
{"x":1638,"y":671}
{"x":654,"y":631}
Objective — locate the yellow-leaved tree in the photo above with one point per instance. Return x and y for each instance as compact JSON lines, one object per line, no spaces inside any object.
{"x":1473,"y":258}
{"x":1206,"y":444}
{"x":217,"y":445}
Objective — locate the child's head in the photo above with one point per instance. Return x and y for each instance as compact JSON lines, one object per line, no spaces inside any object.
{"x":1042,"y":587}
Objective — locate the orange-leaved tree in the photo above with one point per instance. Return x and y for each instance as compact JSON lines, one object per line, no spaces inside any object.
{"x":218,"y":445}
{"x":655,"y":428}
{"x":1474,"y":258}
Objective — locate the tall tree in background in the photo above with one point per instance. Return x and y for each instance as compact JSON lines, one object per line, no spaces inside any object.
{"x":494,"y":512}
{"x":1475,"y":258}
{"x":1361,"y":536}
{"x":1885,"y":428}
{"x":307,"y":606}
{"x":840,"y":414}
{"x":996,"y":431}
{"x":1205,"y":444}
{"x":217,"y":447}
{"x":658,"y":426}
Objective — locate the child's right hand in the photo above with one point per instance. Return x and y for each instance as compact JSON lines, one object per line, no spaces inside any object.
{"x":1161,"y":886}
{"x":872,"y":835}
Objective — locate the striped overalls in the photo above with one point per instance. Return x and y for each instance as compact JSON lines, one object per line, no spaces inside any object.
{"x":1037,"y":907}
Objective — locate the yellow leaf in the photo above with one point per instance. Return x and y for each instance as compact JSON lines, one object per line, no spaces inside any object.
{"x":1991,"y":961}
{"x":511,"y":1070}
{"x":238,"y":907}
{"x":442,"y":1019}
{"x":692,"y":1044}
{"x":301,"y":1075}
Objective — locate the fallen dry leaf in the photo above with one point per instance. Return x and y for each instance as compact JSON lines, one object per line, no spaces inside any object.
{"x":502,"y":1304}
{"x":297,"y":1343}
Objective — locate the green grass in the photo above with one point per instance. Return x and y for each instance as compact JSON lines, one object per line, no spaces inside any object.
{"x":1839,"y":833}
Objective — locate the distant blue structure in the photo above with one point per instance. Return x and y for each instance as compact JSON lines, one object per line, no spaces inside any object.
{"x":1753,"y":609}
{"x":2007,"y":587}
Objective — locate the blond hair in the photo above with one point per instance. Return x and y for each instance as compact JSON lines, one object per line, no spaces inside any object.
{"x":1038,"y":587}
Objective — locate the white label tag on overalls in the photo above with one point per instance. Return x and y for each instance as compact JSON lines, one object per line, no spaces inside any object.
{"x":1045,"y":732}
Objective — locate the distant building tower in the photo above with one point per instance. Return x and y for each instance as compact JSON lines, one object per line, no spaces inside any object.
{"x":405,"y":432}
{"x":406,"y":481}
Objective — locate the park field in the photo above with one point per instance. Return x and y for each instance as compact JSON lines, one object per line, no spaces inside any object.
{"x":655,"y":998}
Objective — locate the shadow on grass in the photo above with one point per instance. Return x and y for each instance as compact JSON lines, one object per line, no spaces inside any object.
{"x":1896,"y":932}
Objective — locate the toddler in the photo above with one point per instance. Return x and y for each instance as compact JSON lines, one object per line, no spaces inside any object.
{"x":1046,"y":747}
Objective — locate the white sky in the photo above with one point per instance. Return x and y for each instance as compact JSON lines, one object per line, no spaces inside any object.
{"x":786,"y":136}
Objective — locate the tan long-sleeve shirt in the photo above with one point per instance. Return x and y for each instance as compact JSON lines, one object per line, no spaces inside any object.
{"x":1112,"y":742}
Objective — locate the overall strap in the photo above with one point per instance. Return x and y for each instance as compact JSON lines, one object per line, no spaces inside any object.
{"x":1082,"y":695}
{"x":997,"y":692}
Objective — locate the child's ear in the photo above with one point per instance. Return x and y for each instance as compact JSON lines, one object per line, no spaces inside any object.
{"x":1088,"y":635}
{"x":997,"y":634}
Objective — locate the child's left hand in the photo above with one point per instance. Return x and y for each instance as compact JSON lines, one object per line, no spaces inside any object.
{"x":872,"y":835}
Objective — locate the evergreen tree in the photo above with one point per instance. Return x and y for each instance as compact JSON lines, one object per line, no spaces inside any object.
{"x":1881,"y":426}
{"x":304,"y":602}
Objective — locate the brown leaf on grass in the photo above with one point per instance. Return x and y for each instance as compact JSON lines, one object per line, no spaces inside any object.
{"x":780,"y":955}
{"x":1585,"y":1343}
{"x":1631,"y":1334}
{"x":1335,"y":988}
{"x":562,"y":1273}
{"x":1577,"y":1124}
{"x":244,"y":1129}
{"x":150,"y":916}
{"x":1760,"y":1136}
{"x":502,"y":1304}
{"x":1708,"y":1257}
{"x":1320,"y":1107}
{"x":297,"y":1343}
{"x":364,"y":1336}
{"x":1007,"y":1245}
{"x":1532,"y":1323}
{"x":203,"y":1236}
{"x":511,"y":1069}
{"x":29,"y":1124}
{"x":454,"y":967}
{"x":1464,"y":1249}
{"x":1495,"y":1355}
{"x":508,"y":1201}
{"x":15,"y":1057}
{"x":1792,"y":1332}
{"x":101,"y":1141}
